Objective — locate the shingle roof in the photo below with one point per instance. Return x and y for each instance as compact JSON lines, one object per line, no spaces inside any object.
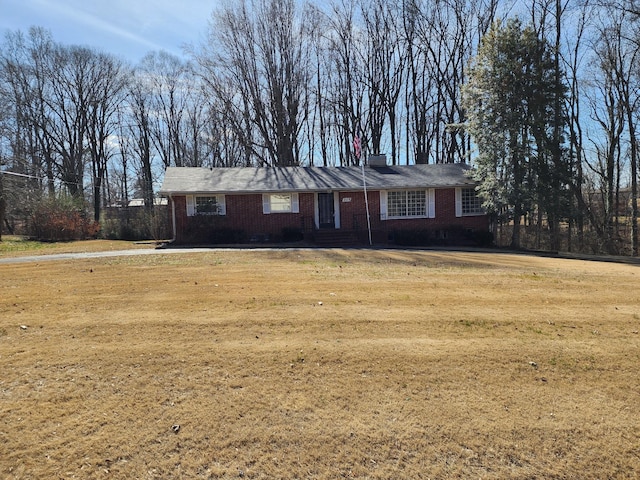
{"x":190,"y":180}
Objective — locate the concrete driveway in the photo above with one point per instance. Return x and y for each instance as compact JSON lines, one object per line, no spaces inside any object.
{"x":114,"y":253}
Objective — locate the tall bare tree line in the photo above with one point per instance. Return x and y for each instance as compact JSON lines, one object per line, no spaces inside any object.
{"x":285,"y":83}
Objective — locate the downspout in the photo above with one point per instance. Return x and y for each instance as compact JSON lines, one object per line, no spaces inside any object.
{"x":173,"y":219}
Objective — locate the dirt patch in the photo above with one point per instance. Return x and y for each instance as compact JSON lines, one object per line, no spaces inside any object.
{"x":320,"y":364}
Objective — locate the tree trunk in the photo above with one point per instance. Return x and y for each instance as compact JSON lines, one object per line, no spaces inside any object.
{"x":3,"y":206}
{"x":96,"y":199}
{"x":634,"y":183}
{"x":634,"y":203}
{"x":554,"y":218}
{"x":515,"y":234}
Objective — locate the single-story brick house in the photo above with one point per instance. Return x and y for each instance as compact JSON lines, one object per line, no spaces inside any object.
{"x":409,"y":204}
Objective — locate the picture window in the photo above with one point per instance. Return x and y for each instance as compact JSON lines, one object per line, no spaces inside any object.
{"x":407,"y":203}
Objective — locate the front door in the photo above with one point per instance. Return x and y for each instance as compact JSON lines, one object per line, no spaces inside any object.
{"x":326,"y":211}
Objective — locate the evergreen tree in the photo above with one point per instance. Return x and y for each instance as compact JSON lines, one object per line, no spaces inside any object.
{"x":511,"y":99}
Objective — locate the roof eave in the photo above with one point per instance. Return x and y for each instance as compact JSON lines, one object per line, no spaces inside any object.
{"x":309,"y":190}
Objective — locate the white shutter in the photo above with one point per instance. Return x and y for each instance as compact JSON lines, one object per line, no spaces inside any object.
{"x":383,"y":204}
{"x":266,"y":203}
{"x":458,"y":202}
{"x":191,"y":206}
{"x":295,"y":203}
{"x":431,"y":194}
{"x":222,"y":205}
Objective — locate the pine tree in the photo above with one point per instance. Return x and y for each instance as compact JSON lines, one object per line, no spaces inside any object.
{"x":511,"y":101}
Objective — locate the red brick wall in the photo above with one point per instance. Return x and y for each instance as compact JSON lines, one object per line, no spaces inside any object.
{"x":244,"y":213}
{"x":352,"y":214}
{"x":180,"y":212}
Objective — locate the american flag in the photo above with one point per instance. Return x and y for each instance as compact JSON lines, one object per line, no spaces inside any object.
{"x":357,"y":146}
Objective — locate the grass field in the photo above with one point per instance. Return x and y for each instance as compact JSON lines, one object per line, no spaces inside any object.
{"x":320,"y":364}
{"x":17,"y":246}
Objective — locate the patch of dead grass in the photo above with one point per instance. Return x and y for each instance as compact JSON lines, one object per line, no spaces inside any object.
{"x":320,"y":364}
{"x":16,"y":246}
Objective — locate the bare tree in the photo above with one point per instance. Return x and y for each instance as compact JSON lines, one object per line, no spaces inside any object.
{"x":345,"y":89}
{"x":107,"y":90}
{"x":24,"y":65}
{"x":441,"y":38}
{"x":319,"y":124}
{"x":613,"y":100}
{"x":573,"y":61}
{"x":609,"y":116}
{"x":385,"y":72}
{"x":136,"y":133}
{"x":166,"y":79}
{"x":71,"y":73}
{"x":256,"y":63}
{"x":620,"y":54}
{"x":552,"y":157}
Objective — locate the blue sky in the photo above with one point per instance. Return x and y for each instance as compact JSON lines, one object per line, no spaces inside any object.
{"x":127,"y":28}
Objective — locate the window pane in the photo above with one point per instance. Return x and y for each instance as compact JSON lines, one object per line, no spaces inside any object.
{"x":207,"y":205}
{"x":407,"y":203}
{"x":280,"y":202}
{"x":396,"y":204}
{"x":471,"y":203}
{"x":416,"y":204}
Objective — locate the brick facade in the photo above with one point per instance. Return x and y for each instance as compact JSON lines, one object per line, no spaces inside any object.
{"x":245,"y":221}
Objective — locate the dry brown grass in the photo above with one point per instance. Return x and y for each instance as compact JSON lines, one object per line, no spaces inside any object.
{"x":320,"y":364}
{"x":16,"y":246}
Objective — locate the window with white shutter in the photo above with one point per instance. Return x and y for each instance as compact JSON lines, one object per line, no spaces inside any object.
{"x":407,"y":204}
{"x":206,"y":205}
{"x":280,"y":203}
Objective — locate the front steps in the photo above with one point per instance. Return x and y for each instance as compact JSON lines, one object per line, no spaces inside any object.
{"x":335,"y":238}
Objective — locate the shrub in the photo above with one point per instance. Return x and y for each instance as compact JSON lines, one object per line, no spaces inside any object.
{"x":292,"y":234}
{"x":211,"y":230}
{"x":136,"y":224}
{"x":61,"y":219}
{"x":482,"y":238}
{"x":220,"y":236}
{"x":454,"y":235}
{"x":413,"y":238}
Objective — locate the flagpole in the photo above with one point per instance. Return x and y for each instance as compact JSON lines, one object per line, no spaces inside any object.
{"x":357,"y":150}
{"x":366,"y":202}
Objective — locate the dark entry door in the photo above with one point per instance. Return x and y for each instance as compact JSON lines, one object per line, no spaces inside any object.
{"x":326,"y":212}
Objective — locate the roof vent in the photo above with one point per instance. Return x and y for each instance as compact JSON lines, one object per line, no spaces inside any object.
{"x":379,"y":160}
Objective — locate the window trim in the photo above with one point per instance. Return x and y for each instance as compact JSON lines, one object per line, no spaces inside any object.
{"x":192,"y":207}
{"x":460,"y":210}
{"x":430,"y":204}
{"x":293,"y":199}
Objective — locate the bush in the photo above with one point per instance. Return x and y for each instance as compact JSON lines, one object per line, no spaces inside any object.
{"x":61,"y":219}
{"x":211,"y":229}
{"x":482,"y":238}
{"x":292,"y":234}
{"x":221,"y":236}
{"x":115,"y":229}
{"x":454,"y":235}
{"x":136,"y":224}
{"x":413,"y":238}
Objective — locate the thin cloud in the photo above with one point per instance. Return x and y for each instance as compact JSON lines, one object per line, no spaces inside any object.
{"x":77,"y":14}
{"x":129,"y":28}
